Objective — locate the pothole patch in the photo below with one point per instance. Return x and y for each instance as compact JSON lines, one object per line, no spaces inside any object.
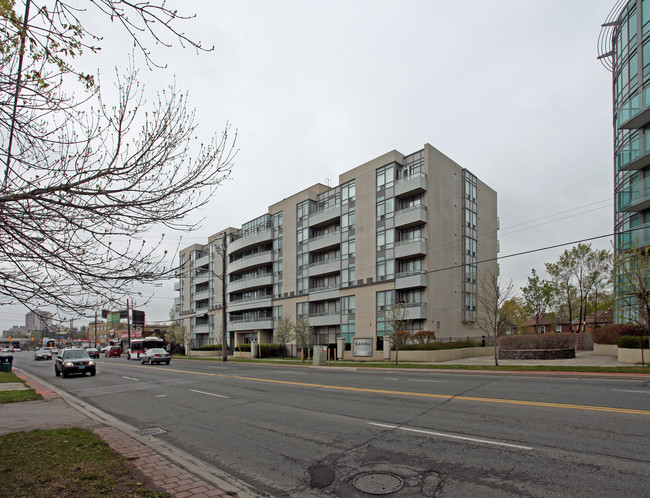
{"x":378,"y":483}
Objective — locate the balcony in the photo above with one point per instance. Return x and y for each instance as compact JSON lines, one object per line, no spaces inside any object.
{"x":251,"y":261}
{"x":250,"y":304}
{"x":199,"y":296}
{"x":416,"y":311}
{"x":263,"y":235}
{"x":409,"y":280}
{"x":177,"y":286}
{"x":325,"y":319}
{"x":326,"y":241}
{"x":411,"y":247}
{"x":635,"y":238}
{"x":411,"y":185}
{"x":324,"y":267}
{"x":324,"y":216}
{"x":326,"y":293}
{"x":635,"y":155}
{"x":412,"y":216}
{"x":201,"y":277}
{"x":635,"y":198}
{"x":202,"y":329}
{"x":263,"y":280}
{"x":635,"y":113}
{"x":254,"y":323}
{"x":202,"y":261}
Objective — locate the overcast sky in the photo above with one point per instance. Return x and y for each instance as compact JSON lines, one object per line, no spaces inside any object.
{"x":509,"y":89}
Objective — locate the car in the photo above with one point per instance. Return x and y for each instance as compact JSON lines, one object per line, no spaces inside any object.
{"x":74,"y":361}
{"x":17,"y":350}
{"x":113,"y":351}
{"x":43,"y":354}
{"x":155,"y":355}
{"x":93,"y":352}
{"x":55,"y":351}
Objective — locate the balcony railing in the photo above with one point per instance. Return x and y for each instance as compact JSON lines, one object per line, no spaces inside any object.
{"x":631,"y":114}
{"x":635,"y":197}
{"x":634,"y":155}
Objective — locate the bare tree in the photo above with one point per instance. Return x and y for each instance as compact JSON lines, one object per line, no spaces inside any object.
{"x":85,"y":181}
{"x":177,"y":333}
{"x":303,"y":333}
{"x":632,"y":303}
{"x":491,"y":297}
{"x":397,"y":320}
{"x":284,"y":332}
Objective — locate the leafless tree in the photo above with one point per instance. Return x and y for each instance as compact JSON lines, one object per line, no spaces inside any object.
{"x":491,"y":296}
{"x":177,"y":333}
{"x":303,"y":333}
{"x":84,"y":180}
{"x":284,"y":332}
{"x":397,"y":319}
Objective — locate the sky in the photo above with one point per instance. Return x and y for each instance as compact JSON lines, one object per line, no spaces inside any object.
{"x":510,"y":89}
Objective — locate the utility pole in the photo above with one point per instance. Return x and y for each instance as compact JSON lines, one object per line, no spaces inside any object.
{"x":95,"y":331}
{"x":224,"y":350}
{"x":128,"y":324}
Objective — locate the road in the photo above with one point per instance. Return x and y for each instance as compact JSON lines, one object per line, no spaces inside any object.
{"x":294,"y":431}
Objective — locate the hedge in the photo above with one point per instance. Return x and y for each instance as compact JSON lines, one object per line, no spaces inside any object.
{"x":537,"y":341}
{"x":209,"y":347}
{"x":433,"y":346}
{"x":632,"y":341}
{"x":610,"y":334}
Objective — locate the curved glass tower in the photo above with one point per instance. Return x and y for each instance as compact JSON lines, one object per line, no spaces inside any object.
{"x":624,"y":48}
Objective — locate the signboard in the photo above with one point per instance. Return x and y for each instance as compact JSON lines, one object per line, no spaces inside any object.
{"x":113,"y":317}
{"x":362,"y":347}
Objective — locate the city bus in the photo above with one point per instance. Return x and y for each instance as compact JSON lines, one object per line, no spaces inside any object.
{"x":139,"y":346}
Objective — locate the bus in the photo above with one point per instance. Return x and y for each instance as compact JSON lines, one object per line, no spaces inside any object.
{"x":139,"y":346}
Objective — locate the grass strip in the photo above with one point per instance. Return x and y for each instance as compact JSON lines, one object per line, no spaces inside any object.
{"x":67,"y":462}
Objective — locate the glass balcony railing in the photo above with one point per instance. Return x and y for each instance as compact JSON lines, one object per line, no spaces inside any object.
{"x":634,"y":238}
{"x":634,"y":195}
{"x":633,"y":108}
{"x":633,"y":151}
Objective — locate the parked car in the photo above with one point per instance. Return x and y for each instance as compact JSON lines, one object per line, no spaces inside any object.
{"x":43,"y":354}
{"x":155,"y":355}
{"x":113,"y":351}
{"x":93,"y":352}
{"x":74,"y":361}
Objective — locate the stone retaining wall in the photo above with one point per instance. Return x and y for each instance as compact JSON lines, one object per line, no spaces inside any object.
{"x":537,"y":354}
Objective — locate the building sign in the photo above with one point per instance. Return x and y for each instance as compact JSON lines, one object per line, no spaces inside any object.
{"x":362,"y":347}
{"x":113,"y":317}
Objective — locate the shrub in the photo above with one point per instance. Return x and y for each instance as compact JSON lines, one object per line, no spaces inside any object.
{"x":632,"y":341}
{"x":434,"y":346}
{"x":246,"y":348}
{"x":209,"y":347}
{"x":537,"y":341}
{"x":272,"y":350}
{"x":610,"y":334}
{"x":424,"y":337}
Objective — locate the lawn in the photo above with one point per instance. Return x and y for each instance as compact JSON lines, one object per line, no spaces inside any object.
{"x":67,"y":462}
{"x":15,"y":396}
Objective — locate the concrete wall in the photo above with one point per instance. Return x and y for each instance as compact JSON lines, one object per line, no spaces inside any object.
{"x":633,"y":356}
{"x":606,"y":350}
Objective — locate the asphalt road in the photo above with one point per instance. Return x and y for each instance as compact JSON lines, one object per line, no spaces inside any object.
{"x":293,"y":431}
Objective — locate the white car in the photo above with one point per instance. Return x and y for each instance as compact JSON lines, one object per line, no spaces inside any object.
{"x":155,"y":355}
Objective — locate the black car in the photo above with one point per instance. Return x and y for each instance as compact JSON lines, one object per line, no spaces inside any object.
{"x":73,"y":360}
{"x":93,"y":352}
{"x":43,"y":354}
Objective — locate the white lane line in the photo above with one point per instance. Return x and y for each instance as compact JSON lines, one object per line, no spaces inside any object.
{"x":630,"y":391}
{"x":160,"y":396}
{"x":210,"y":394}
{"x":130,"y":378}
{"x":452,"y":436}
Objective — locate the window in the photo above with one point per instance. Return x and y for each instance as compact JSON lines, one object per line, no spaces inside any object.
{"x":542,"y":329}
{"x":277,"y":220}
{"x":385,"y":238}
{"x":348,"y":304}
{"x":348,"y":275}
{"x":347,"y":331}
{"x":385,"y":208}
{"x":558,"y":328}
{"x":385,"y":300}
{"x":348,"y":248}
{"x":348,"y":220}
{"x":348,"y":192}
{"x":385,"y":176}
{"x":302,"y":309}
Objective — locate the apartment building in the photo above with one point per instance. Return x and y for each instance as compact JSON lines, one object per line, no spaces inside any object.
{"x":416,"y":229}
{"x":624,"y":49}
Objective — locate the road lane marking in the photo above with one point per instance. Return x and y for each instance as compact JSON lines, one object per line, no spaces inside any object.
{"x":417,"y":380}
{"x":160,"y":396}
{"x":130,"y":378}
{"x":541,"y":404}
{"x":630,"y":391}
{"x":210,"y":394}
{"x":453,"y":436}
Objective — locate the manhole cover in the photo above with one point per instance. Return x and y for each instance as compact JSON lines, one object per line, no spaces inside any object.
{"x":378,"y":483}
{"x":152,"y":431}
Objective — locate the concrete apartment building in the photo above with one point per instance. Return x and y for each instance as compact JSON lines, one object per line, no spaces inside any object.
{"x":624,"y":49}
{"x":38,"y":322}
{"x":409,"y":229}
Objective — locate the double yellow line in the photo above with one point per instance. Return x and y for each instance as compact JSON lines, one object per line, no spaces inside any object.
{"x":475,"y":399}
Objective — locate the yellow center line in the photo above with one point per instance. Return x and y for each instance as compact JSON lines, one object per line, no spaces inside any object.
{"x":416,"y":394}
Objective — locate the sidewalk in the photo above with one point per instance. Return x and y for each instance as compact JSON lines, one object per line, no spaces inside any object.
{"x":171,"y":469}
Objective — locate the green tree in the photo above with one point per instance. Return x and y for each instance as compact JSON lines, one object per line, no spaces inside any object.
{"x":284,"y":332}
{"x":538,"y":297}
{"x":514,"y":311}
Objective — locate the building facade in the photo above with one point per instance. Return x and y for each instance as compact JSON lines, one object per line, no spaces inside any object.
{"x":415,"y":229}
{"x":624,"y":49}
{"x":38,"y":322}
